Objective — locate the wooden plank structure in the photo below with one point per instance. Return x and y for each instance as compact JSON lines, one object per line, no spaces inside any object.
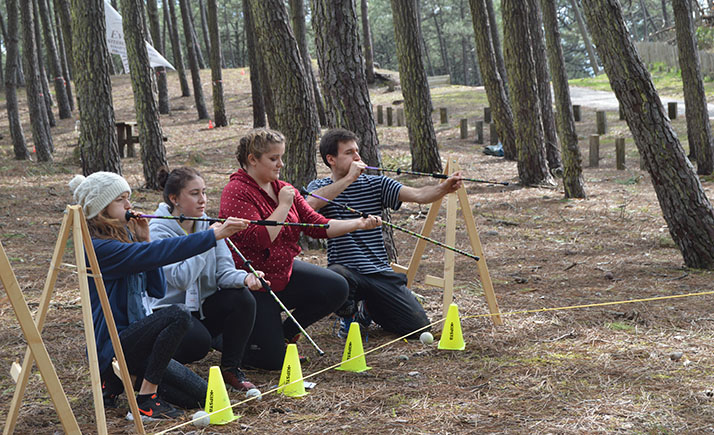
{"x":75,"y":223}
{"x":447,"y":282}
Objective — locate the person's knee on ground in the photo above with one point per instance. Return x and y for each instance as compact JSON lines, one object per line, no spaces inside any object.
{"x":349,"y":308}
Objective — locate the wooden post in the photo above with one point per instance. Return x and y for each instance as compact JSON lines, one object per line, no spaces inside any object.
{"x":464,"y":124}
{"x":487,"y":115}
{"x":129,"y":141}
{"x":594,"y":150}
{"x":576,"y":112}
{"x":443,"y":115}
{"x":601,"y":118}
{"x":400,"y":116}
{"x":672,"y":110}
{"x":493,"y":133}
{"x":620,"y":153}
{"x":380,"y":114}
{"x":121,"y":138}
{"x":389,"y":116}
{"x":479,"y":132}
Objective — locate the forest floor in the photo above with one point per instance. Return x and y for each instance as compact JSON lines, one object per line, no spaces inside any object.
{"x":639,"y":367}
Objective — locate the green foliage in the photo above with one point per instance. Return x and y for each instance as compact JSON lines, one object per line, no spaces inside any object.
{"x":705,"y":37}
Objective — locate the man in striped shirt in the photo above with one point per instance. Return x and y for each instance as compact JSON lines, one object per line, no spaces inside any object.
{"x":361,"y":256}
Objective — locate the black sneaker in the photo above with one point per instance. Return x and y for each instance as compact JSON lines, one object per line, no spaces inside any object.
{"x":112,"y":387}
{"x":235,"y":378}
{"x":154,"y":407}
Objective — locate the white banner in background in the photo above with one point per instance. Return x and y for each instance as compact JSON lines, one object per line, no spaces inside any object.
{"x":116,"y":44}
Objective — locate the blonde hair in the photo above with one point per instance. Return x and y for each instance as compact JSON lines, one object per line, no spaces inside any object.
{"x":102,"y":226}
{"x":257,"y":142}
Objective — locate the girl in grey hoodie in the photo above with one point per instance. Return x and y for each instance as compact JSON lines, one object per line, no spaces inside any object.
{"x":208,"y":284}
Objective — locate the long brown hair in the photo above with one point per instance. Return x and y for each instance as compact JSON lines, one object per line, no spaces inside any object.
{"x":102,"y":226}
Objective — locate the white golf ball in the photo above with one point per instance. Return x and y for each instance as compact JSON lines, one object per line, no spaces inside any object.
{"x":254,"y":392}
{"x":201,"y":419}
{"x":426,"y":338}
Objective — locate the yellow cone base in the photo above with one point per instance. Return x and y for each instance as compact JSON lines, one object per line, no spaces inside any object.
{"x":217,"y":398}
{"x":291,"y":383}
{"x":451,"y":336}
{"x":353,"y":349}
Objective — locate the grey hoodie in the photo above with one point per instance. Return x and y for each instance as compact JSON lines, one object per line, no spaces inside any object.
{"x":201,"y":275}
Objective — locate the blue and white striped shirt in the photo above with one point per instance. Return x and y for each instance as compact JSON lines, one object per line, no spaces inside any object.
{"x":361,"y":250}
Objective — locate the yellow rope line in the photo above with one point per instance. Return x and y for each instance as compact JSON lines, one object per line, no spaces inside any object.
{"x":474,"y":316}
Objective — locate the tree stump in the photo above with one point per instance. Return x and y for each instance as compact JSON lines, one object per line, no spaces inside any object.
{"x":601,"y":119}
{"x":672,"y":110}
{"x":389,"y":116}
{"x":479,"y":132}
{"x":493,"y":133}
{"x":380,"y":114}
{"x":443,"y":115}
{"x":487,"y":115}
{"x":620,"y":153}
{"x":464,"y":124}
{"x":576,"y":112}
{"x":594,"y":150}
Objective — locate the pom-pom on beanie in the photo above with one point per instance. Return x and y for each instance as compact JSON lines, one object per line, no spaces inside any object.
{"x":97,"y":191}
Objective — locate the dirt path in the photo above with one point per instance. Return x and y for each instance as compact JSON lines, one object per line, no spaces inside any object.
{"x":606,"y":100}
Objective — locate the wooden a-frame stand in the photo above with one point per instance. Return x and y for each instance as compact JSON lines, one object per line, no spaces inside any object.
{"x":447,"y":282}
{"x":73,"y":221}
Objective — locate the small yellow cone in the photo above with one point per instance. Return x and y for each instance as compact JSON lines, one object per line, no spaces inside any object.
{"x":291,"y":383}
{"x":217,"y":398}
{"x":353,"y":347}
{"x":451,"y":337}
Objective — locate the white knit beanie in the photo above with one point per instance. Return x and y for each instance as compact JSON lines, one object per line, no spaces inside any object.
{"x":97,"y":191}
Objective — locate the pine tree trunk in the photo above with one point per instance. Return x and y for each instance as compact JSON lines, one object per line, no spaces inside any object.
{"x":193,"y":61}
{"x":685,"y":207}
{"x":194,"y":38}
{"x":415,"y":88}
{"x":297,"y":18}
{"x":41,"y":138}
{"x":367,"y":42}
{"x":176,"y":49}
{"x":65,"y":19}
{"x":3,"y":39}
{"x":586,"y":37}
{"x":256,"y":91}
{"x":294,"y":107}
{"x":97,"y":137}
{"x":535,"y":23}
{"x":153,"y":152}
{"x":442,"y":45}
{"x":573,"y":183}
{"x":204,"y":26}
{"x":665,"y":16}
{"x":219,"y":108}
{"x":43,"y":71}
{"x":698,"y":129}
{"x":520,"y":67}
{"x":496,"y":43}
{"x":53,"y":58}
{"x":161,"y":83}
{"x":343,"y":73}
{"x":64,"y":61}
{"x":493,"y":80}
{"x":13,"y":114}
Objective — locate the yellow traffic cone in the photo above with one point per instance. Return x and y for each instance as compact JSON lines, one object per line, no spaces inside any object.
{"x":291,"y":383}
{"x":451,"y":337}
{"x":217,"y":398}
{"x":353,"y":348}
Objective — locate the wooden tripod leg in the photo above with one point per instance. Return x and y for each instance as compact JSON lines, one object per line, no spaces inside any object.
{"x":101,"y":419}
{"x":421,"y":243}
{"x":111,"y":325}
{"x":45,"y":299}
{"x":449,"y":262}
{"x":34,"y":340}
{"x":478,"y":251}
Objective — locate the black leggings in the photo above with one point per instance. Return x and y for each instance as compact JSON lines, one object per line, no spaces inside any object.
{"x":230,"y":312}
{"x":150,"y":343}
{"x":312,"y":293}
